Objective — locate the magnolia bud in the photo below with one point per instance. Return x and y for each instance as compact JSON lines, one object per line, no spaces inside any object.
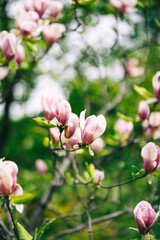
{"x":40,"y":6}
{"x":20,"y":54}
{"x":124,"y":6}
{"x":145,"y":217}
{"x":123,"y":127}
{"x":62,"y":112}
{"x":41,"y":167}
{"x":143,"y":110}
{"x":53,"y":32}
{"x":55,"y":134}
{"x":151,"y":157}
{"x":99,"y":176}
{"x":156,"y":85}
{"x":72,"y":125}
{"x":8,"y":177}
{"x":91,"y":128}
{"x":47,"y":107}
{"x":97,"y":145}
{"x":154,"y":119}
{"x":9,"y":45}
{"x":133,"y":69}
{"x":55,"y":8}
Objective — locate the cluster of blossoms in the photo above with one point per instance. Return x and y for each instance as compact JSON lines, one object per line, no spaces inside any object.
{"x":68,"y":130}
{"x":29,"y":24}
{"x":151,"y":121}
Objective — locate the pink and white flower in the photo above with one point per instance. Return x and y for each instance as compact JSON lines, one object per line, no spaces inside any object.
{"x":91,"y":128}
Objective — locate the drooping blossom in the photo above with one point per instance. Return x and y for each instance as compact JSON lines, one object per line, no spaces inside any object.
{"x":151,"y":157}
{"x":40,"y":6}
{"x":41,"y":167}
{"x":133,"y":69}
{"x":145,"y":217}
{"x":8,"y":177}
{"x":20,"y":54}
{"x":123,"y":127}
{"x":74,"y":140}
{"x":72,"y":125}
{"x":124,"y":6}
{"x":156,"y":85}
{"x":53,"y":32}
{"x":98,"y":176}
{"x":143,"y":110}
{"x":97,"y":145}
{"x":55,"y":8}
{"x":62,"y":112}
{"x":91,"y":128}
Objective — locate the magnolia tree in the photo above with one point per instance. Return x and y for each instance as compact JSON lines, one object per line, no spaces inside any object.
{"x":93,"y":176}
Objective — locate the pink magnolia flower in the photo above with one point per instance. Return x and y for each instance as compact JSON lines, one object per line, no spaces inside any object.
{"x":62,"y":112}
{"x":133,"y":69}
{"x":26,"y":22}
{"x":55,"y":134}
{"x":156,"y":85}
{"x":74,"y":140}
{"x":48,"y":103}
{"x":154,"y":119}
{"x":123,"y":127}
{"x":91,"y":128}
{"x":40,"y":6}
{"x":41,"y":167}
{"x":20,"y":54}
{"x":151,"y":157}
{"x":145,"y":217}
{"x":8,"y":45}
{"x":143,"y":110}
{"x":8,"y":177}
{"x":72,"y":125}
{"x":53,"y":32}
{"x":124,"y":6}
{"x":98,"y":176}
{"x":97,"y":145}
{"x":55,"y":8}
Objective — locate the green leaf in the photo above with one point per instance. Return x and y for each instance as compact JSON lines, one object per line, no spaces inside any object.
{"x":32,"y":46}
{"x":36,"y":234}
{"x":142,"y":92}
{"x":126,"y":118}
{"x":80,"y":179}
{"x":22,"y":199}
{"x":157,"y":173}
{"x":43,"y":123}
{"x":92,"y":170}
{"x":87,"y":176}
{"x":46,"y":227}
{"x":69,"y":178}
{"x":85,"y":2}
{"x":23,"y":234}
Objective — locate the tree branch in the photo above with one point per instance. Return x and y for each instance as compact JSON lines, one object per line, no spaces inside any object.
{"x":94,"y":221}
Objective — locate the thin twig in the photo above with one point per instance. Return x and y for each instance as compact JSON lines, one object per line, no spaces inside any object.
{"x":12,"y":218}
